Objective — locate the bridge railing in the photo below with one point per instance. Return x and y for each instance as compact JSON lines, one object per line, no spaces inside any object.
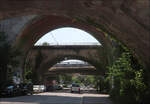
{"x":71,"y":65}
{"x":71,"y":43}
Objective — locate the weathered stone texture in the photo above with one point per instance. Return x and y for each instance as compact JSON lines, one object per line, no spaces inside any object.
{"x":14,"y":26}
{"x":139,"y":9}
{"x":127,"y":20}
{"x":50,"y":56}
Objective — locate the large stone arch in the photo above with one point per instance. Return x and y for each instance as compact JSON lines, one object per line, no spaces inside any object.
{"x":90,"y":53}
{"x":40,"y":72}
{"x":128,"y":21}
{"x":84,"y":70}
{"x":44,"y":24}
{"x":41,"y":58}
{"x":135,"y":9}
{"x":132,"y":35}
{"x":33,"y":31}
{"x":52,"y":61}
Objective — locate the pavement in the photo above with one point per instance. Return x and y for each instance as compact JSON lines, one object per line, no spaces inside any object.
{"x":59,"y":97}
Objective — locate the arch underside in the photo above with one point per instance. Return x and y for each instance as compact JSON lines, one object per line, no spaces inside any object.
{"x":42,"y":69}
{"x":128,"y":35}
{"x":127,"y":21}
{"x":49,"y":57}
{"x":45,"y":66}
{"x":72,"y":70}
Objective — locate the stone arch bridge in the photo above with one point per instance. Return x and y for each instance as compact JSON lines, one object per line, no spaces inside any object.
{"x":73,"y":68}
{"x":128,"y":21}
{"x":42,"y":58}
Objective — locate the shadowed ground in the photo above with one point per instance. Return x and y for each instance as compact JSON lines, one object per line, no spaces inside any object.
{"x":59,"y":97}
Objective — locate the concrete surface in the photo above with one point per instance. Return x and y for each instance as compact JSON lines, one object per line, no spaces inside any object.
{"x":59,"y":97}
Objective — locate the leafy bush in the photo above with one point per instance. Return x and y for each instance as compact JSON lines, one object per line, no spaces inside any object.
{"x":128,"y":85}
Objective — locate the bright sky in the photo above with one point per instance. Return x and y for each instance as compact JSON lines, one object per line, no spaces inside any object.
{"x":68,"y":36}
{"x":72,"y":61}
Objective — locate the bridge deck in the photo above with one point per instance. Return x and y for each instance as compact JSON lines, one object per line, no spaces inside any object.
{"x":67,"y":47}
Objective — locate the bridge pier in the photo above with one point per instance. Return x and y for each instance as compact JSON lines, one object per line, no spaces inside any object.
{"x":3,"y":75}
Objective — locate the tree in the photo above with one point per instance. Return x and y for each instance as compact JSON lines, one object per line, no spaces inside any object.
{"x":66,"y":78}
{"x":128,"y":82}
{"x":45,"y":44}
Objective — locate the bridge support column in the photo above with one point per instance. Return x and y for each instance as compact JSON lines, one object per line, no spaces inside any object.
{"x":3,"y":75}
{"x":36,"y":77}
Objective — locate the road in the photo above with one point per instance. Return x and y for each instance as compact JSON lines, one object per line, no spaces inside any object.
{"x":59,"y":97}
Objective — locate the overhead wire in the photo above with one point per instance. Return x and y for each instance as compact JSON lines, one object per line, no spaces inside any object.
{"x":54,"y":39}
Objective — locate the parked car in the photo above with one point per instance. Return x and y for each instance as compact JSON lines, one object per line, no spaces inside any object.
{"x":39,"y":88}
{"x":25,"y":90}
{"x":75,"y":88}
{"x":58,"y":87}
{"x":11,"y":90}
{"x":3,"y":86}
{"x":49,"y":88}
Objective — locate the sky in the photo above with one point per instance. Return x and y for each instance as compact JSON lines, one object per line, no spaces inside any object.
{"x":72,"y":61}
{"x":67,"y":36}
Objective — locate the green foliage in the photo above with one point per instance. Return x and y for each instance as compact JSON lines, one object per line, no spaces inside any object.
{"x":81,"y":79}
{"x":28,"y":74}
{"x":98,"y":82}
{"x":76,"y":80}
{"x":45,"y":44}
{"x":89,"y":79}
{"x":127,"y":82}
{"x":101,"y":84}
{"x":130,"y":82}
{"x":84,"y":79}
{"x":67,"y":79}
